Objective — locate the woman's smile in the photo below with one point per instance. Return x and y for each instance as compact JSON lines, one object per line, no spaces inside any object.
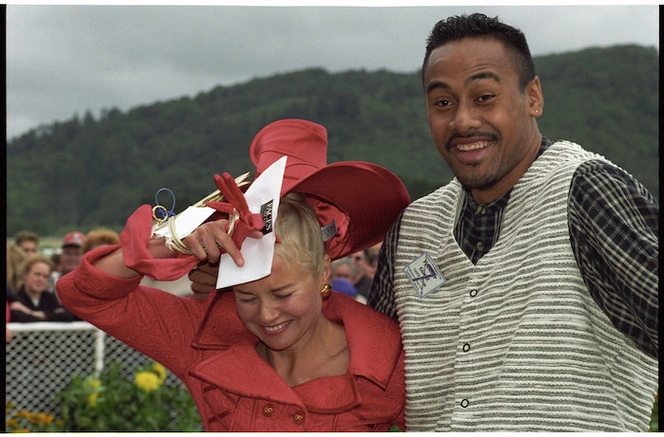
{"x":276,"y":329}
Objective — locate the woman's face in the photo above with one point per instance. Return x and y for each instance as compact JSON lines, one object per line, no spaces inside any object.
{"x":36,"y":279}
{"x":282,"y":309}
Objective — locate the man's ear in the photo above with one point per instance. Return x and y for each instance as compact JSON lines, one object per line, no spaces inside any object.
{"x":535,"y":97}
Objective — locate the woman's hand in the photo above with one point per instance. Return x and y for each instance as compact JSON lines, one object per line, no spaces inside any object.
{"x":210,"y":240}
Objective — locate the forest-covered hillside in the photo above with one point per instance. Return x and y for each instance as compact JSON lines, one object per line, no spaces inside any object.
{"x":87,"y":172}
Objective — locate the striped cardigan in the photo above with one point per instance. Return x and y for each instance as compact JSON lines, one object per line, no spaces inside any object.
{"x":516,"y":342}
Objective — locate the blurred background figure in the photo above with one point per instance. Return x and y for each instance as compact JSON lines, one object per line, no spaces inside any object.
{"x":32,"y":302}
{"x":56,"y":260}
{"x":343,"y":268}
{"x":8,"y":332}
{"x":343,"y":285}
{"x":99,"y":237}
{"x":366,"y":262}
{"x":28,"y":241}
{"x":361,"y":282}
{"x":70,"y":258}
{"x":15,"y":257}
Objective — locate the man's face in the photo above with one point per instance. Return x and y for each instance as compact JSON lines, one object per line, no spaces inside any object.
{"x":481,"y":121}
{"x":29,"y":247}
{"x":70,"y":258}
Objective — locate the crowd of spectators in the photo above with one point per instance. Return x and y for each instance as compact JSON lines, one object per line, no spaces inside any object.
{"x":32,"y":274}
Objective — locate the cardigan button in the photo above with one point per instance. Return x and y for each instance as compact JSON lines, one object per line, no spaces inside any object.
{"x":464,"y":403}
{"x":473,"y":292}
{"x":299,"y":417}
{"x":268,"y":410}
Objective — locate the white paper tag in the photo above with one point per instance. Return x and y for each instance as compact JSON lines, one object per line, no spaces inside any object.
{"x":262,"y":197}
{"x":424,"y":275}
{"x":187,"y":221}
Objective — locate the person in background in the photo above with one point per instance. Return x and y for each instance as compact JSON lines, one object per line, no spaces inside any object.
{"x":99,"y":237}
{"x":15,"y":257}
{"x":529,"y":301}
{"x":343,"y":268}
{"x":342,"y":272}
{"x":28,"y":241}
{"x":8,"y":333}
{"x":70,"y":257}
{"x":56,"y":260}
{"x":346,"y":287}
{"x":366,"y":262}
{"x":361,"y":282}
{"x":32,"y":302}
{"x":370,"y":262}
{"x":280,"y":353}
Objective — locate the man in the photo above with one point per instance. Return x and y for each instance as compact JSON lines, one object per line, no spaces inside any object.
{"x":28,"y":241}
{"x":360,"y":280}
{"x":70,"y":258}
{"x":366,"y":261}
{"x":526,"y":288}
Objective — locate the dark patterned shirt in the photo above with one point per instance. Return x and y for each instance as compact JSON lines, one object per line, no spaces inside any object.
{"x":613,"y":222}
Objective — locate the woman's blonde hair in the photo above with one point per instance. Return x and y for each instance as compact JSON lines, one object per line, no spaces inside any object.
{"x":99,"y":237}
{"x":15,"y":257}
{"x":300,"y":239}
{"x":35,"y":259}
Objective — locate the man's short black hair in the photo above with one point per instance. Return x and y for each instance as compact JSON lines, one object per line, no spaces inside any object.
{"x":479,"y":25}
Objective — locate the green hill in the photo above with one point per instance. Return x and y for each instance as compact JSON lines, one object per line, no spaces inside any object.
{"x":88,"y":172}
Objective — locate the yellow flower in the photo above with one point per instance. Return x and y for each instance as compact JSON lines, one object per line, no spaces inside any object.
{"x":34,"y":418}
{"x":147,"y":381}
{"x":21,"y":430}
{"x":159,"y":370}
{"x":92,"y":399}
{"x":8,"y":407}
{"x":23,"y":413}
{"x":11,"y":423}
{"x":45,"y":418}
{"x":91,"y":383}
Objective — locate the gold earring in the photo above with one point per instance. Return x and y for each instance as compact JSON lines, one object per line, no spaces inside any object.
{"x":326,"y":291}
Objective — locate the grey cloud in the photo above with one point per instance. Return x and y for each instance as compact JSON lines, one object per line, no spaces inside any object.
{"x":63,"y":60}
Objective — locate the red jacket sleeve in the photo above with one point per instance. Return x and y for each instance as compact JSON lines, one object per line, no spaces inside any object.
{"x":157,"y":323}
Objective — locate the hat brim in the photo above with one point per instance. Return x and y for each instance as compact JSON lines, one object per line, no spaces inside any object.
{"x":362,"y":198}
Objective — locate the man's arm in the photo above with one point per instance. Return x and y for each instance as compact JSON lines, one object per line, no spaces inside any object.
{"x":381,"y":296}
{"x":613,"y":223}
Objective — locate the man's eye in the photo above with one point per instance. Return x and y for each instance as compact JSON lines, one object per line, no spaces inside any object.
{"x":443,"y":102}
{"x":485,"y":97}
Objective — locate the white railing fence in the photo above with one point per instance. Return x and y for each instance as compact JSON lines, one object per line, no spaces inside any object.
{"x":42,"y":357}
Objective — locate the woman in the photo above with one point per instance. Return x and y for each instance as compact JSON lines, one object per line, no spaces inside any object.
{"x":99,"y":237}
{"x":281,"y":353}
{"x":33,"y":302}
{"x":15,"y":257}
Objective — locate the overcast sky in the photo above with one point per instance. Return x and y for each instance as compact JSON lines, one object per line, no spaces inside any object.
{"x":63,"y":60}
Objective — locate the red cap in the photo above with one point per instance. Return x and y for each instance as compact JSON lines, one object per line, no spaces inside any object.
{"x":73,"y":239}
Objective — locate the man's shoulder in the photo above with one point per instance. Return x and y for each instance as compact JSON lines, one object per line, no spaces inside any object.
{"x":449,"y":190}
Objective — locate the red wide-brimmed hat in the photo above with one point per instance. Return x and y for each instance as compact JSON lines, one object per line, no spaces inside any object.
{"x":356,"y":202}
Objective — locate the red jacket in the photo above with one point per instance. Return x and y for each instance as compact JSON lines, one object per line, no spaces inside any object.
{"x":206,"y":345}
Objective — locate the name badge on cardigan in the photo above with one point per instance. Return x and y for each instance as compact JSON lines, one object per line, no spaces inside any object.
{"x":424,"y":275}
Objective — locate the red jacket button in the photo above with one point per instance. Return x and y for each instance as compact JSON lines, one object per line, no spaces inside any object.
{"x":299,"y":417}
{"x":268,"y":410}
